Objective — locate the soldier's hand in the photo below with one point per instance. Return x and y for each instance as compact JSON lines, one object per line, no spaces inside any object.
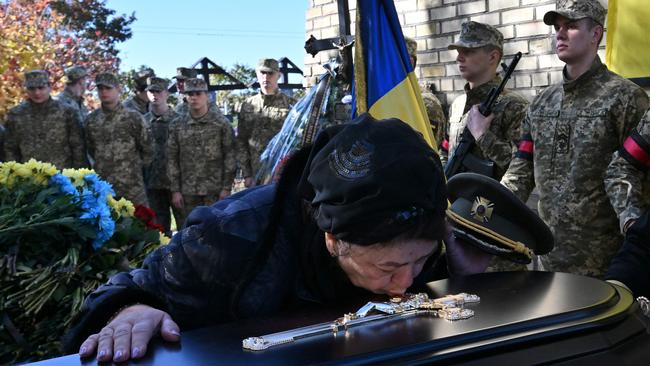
{"x":248,"y":182}
{"x":224,"y":193}
{"x":477,"y":123}
{"x":127,"y":335}
{"x":177,"y":200}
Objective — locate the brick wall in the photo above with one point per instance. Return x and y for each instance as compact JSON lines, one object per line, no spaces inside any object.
{"x":434,"y":24}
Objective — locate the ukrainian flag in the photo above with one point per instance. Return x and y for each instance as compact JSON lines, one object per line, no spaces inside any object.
{"x":628,"y":42}
{"x":385,"y":82}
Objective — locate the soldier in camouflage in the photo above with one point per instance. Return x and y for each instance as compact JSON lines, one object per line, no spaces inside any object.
{"x":157,"y":180}
{"x":260,"y":117}
{"x":182,"y":74}
{"x":118,"y":141}
{"x":480,"y":48}
{"x":626,"y":173}
{"x":139,"y":101}
{"x":435,"y":113}
{"x":43,"y":128}
{"x":568,"y":136}
{"x":75,"y":88}
{"x":201,"y":161}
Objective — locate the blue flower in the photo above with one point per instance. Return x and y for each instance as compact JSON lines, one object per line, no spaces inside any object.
{"x":95,"y":206}
{"x":65,"y":186}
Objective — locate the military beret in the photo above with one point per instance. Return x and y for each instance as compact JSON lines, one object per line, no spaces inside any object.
{"x":268,"y":65}
{"x":475,"y":35}
{"x":489,"y":216}
{"x":183,"y":73}
{"x":36,"y":78}
{"x":75,"y":73}
{"x":157,"y":84}
{"x":577,"y":9}
{"x":195,"y":85}
{"x":107,"y":79}
{"x":373,"y":180}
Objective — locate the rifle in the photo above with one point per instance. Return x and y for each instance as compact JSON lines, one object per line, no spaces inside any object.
{"x":462,"y":159}
{"x":448,"y":307}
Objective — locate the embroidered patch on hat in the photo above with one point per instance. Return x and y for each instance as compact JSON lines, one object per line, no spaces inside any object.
{"x":482,"y":209}
{"x":353,"y":163}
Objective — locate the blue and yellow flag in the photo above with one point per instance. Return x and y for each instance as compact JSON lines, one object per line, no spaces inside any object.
{"x":628,"y":41}
{"x":384,"y":80}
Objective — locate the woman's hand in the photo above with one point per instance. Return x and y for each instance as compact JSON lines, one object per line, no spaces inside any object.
{"x":463,"y":258}
{"x":128,"y":333}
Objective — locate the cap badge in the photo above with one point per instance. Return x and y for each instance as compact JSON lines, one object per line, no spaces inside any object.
{"x":482,"y":209}
{"x":353,"y":163}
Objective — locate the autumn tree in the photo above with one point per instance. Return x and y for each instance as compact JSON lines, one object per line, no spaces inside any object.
{"x":42,"y":34}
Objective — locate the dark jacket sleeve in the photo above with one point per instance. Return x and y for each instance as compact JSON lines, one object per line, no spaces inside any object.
{"x":191,"y":278}
{"x":631,"y":265}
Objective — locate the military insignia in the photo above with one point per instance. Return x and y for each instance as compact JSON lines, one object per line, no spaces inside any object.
{"x":353,"y":163}
{"x":562,"y":138}
{"x":482,"y":210}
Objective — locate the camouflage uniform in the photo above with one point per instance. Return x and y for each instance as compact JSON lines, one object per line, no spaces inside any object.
{"x":624,"y":180}
{"x":134,"y":102}
{"x":260,"y":118}
{"x":499,"y":142}
{"x":48,"y":132}
{"x":66,"y":97}
{"x":201,"y":157}
{"x":568,"y":136}
{"x":431,"y":103}
{"x":157,"y":180}
{"x":120,"y":145}
{"x":436,"y":116}
{"x":137,"y":105}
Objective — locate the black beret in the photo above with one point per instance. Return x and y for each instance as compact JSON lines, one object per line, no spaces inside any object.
{"x":374,"y":179}
{"x":488,"y":215}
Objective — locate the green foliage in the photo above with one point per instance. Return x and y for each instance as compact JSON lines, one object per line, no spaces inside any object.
{"x":91,"y":19}
{"x":51,"y":257}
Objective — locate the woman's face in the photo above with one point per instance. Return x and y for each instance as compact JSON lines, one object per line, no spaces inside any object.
{"x":382,"y":268}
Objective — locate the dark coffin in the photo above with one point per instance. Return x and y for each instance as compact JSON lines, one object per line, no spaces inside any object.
{"x":523,"y":318}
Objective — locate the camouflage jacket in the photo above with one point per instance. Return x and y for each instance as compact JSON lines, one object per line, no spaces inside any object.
{"x":120,"y":145}
{"x":500,"y":141}
{"x":49,"y":132}
{"x":75,"y":103}
{"x":137,"y":104}
{"x":568,"y":137}
{"x":436,"y":116}
{"x":260,"y":118}
{"x":157,"y":177}
{"x":628,"y":192}
{"x":201,"y":154}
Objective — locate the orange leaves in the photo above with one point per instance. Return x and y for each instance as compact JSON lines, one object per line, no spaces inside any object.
{"x":34,"y":36}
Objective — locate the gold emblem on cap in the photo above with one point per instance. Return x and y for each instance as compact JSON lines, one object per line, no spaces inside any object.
{"x":482,"y":209}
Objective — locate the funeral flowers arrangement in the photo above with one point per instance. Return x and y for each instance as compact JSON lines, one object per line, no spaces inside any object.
{"x":62,"y":234}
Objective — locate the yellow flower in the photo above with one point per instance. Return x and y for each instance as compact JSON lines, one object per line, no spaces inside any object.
{"x":48,"y":170}
{"x":22,"y":171}
{"x":123,"y":207}
{"x":164,"y":240}
{"x":126,"y":207}
{"x":77,"y":176}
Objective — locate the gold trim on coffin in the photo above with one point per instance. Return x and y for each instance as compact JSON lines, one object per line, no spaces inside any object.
{"x":514,"y":245}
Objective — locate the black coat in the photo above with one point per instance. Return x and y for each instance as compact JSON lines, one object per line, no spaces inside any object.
{"x":631,"y":265}
{"x":253,"y":254}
